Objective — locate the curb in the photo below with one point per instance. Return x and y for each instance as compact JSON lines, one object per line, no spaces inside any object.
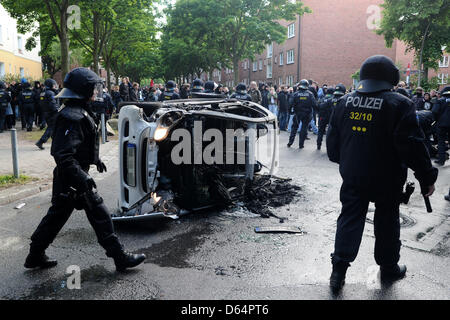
{"x":13,"y":194}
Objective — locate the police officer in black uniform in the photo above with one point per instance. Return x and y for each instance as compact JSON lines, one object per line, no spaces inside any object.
{"x":5,"y":100}
{"x":75,"y":147}
{"x":50,"y":107}
{"x":373,"y":134}
{"x":241,"y":93}
{"x":325,"y":109}
{"x":441,"y":112}
{"x":39,"y":115}
{"x":210,"y":87}
{"x":197,"y":86}
{"x":169,"y":93}
{"x":303,"y":103}
{"x":426,"y":120}
{"x":26,"y":104}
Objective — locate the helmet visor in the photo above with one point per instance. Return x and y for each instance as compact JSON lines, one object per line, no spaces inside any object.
{"x":98,"y":92}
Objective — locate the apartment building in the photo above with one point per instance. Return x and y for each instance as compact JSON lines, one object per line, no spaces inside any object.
{"x":14,"y":58}
{"x":329,"y":45}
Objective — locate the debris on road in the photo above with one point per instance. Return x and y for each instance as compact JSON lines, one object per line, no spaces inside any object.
{"x":266,"y":193}
{"x":20,"y":206}
{"x":279,"y":229}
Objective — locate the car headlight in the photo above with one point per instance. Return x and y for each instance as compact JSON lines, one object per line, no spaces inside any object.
{"x":161,"y":133}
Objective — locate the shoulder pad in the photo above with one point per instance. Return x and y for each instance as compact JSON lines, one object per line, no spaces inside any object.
{"x":72,"y":113}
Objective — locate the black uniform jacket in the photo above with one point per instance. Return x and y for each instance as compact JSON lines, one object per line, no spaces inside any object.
{"x":75,"y":144}
{"x":371,"y":136}
{"x":441,"y":112}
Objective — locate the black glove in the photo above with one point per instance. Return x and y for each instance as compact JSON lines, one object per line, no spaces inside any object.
{"x":101,"y":167}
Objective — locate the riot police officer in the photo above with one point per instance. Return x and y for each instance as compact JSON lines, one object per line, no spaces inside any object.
{"x":209,"y":87}
{"x":441,"y":112}
{"x":169,"y":93}
{"x":39,"y":117}
{"x":241,"y":93}
{"x":325,"y":109}
{"x":426,"y":120}
{"x":50,"y":107}
{"x":26,"y":105}
{"x":303,"y":103}
{"x":197,"y":86}
{"x":373,"y":134}
{"x":75,"y":147}
{"x":5,"y":100}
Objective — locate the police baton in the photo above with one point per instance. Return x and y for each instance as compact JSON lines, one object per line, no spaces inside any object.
{"x":428,"y":204}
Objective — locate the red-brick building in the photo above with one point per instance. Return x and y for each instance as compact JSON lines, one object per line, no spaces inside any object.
{"x":329,"y":45}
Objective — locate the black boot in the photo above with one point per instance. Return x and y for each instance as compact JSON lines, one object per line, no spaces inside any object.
{"x":39,"y":260}
{"x":124,"y":260}
{"x":337,"y":279}
{"x":39,"y":145}
{"x":447,"y":197}
{"x":392,"y":273}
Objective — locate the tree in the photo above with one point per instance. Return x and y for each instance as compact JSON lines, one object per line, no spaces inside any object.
{"x":53,"y":12}
{"x":233,"y":29}
{"x":424,"y":25}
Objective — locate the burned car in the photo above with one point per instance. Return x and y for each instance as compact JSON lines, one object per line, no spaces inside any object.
{"x":185,"y":155}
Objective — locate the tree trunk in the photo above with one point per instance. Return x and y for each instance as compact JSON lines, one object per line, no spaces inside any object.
{"x":108,"y":74}
{"x":64,"y":39}
{"x":96,"y":49}
{"x":236,"y":70}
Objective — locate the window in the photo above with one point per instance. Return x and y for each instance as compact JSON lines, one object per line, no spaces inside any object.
{"x":290,"y":57}
{"x":443,"y":78}
{"x":281,"y":58}
{"x":20,"y":44}
{"x":270,"y":51}
{"x":22,"y":72}
{"x":255,"y":66}
{"x":280,"y":81}
{"x":290,"y":81}
{"x":260,"y":65}
{"x":444,"y":62}
{"x":269,"y":71}
{"x":291,"y":30}
{"x":2,"y":69}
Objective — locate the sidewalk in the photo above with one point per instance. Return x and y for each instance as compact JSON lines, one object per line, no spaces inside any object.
{"x":37,"y":163}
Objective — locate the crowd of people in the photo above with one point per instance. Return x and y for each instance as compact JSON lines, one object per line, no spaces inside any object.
{"x":36,"y":106}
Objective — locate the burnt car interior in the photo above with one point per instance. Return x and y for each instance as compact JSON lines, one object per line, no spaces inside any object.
{"x":159,"y":186}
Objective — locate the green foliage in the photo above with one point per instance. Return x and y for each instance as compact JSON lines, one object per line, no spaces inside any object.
{"x":201,"y":33}
{"x":355,"y":76}
{"x":426,"y":84}
{"x":7,"y":181}
{"x":413,"y":20}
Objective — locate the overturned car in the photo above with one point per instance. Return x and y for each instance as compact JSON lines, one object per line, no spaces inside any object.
{"x":182,"y":156}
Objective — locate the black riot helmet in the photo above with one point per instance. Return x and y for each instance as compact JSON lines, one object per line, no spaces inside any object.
{"x":330,"y":91}
{"x":197,"y":84}
{"x":210,"y":85}
{"x":378,"y":73}
{"x":81,"y":84}
{"x":446,"y":91}
{"x":340,"y":90}
{"x":170,"y":85}
{"x":241,"y":88}
{"x":2,"y":85}
{"x":304,"y":84}
{"x":51,"y":84}
{"x":26,"y":85}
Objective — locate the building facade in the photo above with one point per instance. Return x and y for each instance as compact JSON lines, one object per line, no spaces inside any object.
{"x":329,"y":45}
{"x":14,"y":58}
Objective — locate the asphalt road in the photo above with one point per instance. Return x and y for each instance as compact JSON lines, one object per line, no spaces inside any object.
{"x":217,"y":255}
